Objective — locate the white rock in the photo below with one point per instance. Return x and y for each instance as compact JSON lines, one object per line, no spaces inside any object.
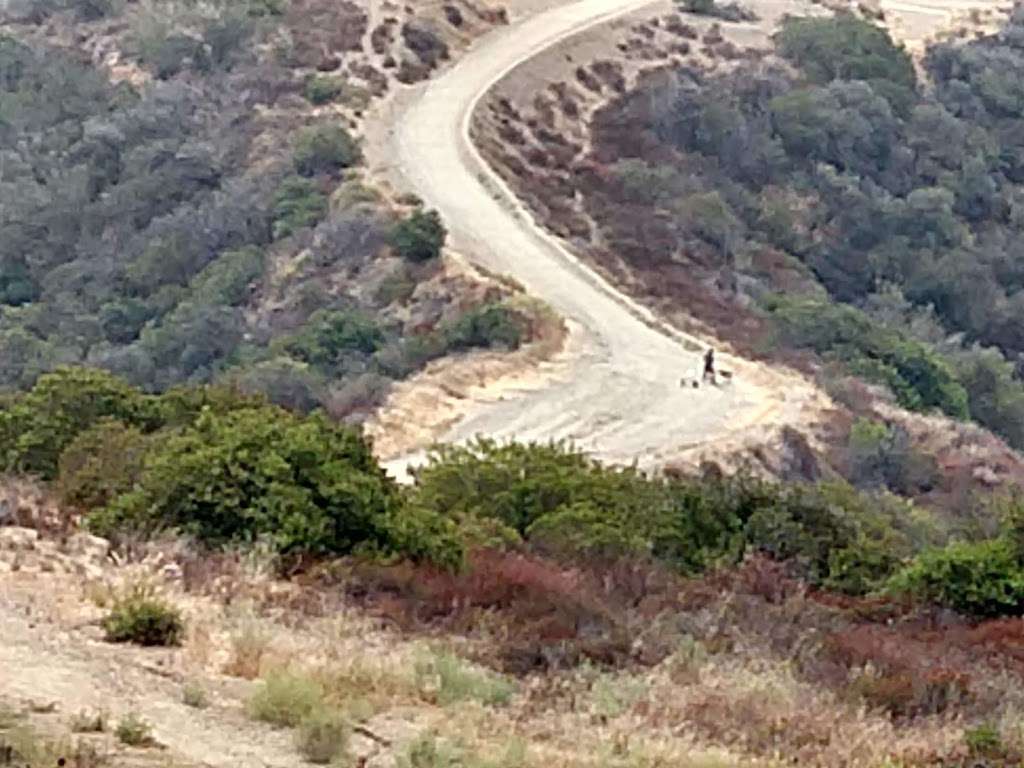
{"x":91,"y":547}
{"x":985,"y":475}
{"x":18,"y":539}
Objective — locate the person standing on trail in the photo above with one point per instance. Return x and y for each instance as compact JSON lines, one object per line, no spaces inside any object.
{"x":709,"y":365}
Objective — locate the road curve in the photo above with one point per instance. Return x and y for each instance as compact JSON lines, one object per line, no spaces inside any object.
{"x":620,"y":398}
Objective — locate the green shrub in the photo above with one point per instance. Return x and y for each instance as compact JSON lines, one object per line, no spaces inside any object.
{"x":283,"y":381}
{"x":881,"y":456}
{"x":226,"y":280}
{"x":181,"y":406}
{"x":724,"y":11}
{"x":844,"y":47}
{"x":298,"y":204}
{"x":286,"y":698}
{"x":304,"y":484}
{"x":408,"y":355}
{"x":803,"y":527}
{"x":101,"y":463}
{"x":1010,"y":510}
{"x":194,"y":695}
{"x":701,"y":522}
{"x":93,"y":10}
{"x":133,"y":731}
{"x":424,"y":535}
{"x":862,"y":566}
{"x":585,"y":530}
{"x":225,"y":37}
{"x":166,"y":53}
{"x":917,"y":375}
{"x":419,"y":237}
{"x":983,"y":741}
{"x":486,"y":326}
{"x":324,"y":149}
{"x":140,"y":617}
{"x":322,"y":89}
{"x":565,"y":505}
{"x":322,"y":736}
{"x":448,"y":679}
{"x":264,"y":8}
{"x":330,"y":335}
{"x":515,"y":483}
{"x":981,"y":579}
{"x":36,"y":427}
{"x":123,"y":319}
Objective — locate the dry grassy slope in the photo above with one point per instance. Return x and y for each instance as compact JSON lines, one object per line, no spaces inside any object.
{"x":739,"y":691}
{"x":240,"y":622}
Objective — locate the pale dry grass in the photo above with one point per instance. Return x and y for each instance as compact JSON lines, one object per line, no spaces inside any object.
{"x":251,"y":645}
{"x":711,"y":703}
{"x":757,"y":706}
{"x":736,"y":706}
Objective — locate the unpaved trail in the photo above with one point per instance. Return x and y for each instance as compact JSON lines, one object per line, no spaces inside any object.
{"x":914,"y":21}
{"x":45,"y":661}
{"x":619,"y":398}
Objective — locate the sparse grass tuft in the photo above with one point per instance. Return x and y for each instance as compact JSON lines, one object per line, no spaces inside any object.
{"x":684,"y":665}
{"x":448,"y":679}
{"x":983,"y":741}
{"x":9,"y":717}
{"x":140,"y":616}
{"x":286,"y":698}
{"x":366,"y":686}
{"x":248,"y":648}
{"x":133,"y":731}
{"x":322,"y":736}
{"x":194,"y":695}
{"x":89,"y":722}
{"x":98,"y":593}
{"x":612,"y":696}
{"x":428,"y":751}
{"x":29,"y":749}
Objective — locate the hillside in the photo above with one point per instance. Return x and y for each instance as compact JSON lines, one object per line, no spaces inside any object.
{"x":594,"y":151}
{"x":229,"y":308}
{"x":197,"y":208}
{"x":263,"y":594}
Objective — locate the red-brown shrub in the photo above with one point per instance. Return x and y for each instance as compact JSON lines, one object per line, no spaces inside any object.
{"x":541,"y":614}
{"x":904,"y":675}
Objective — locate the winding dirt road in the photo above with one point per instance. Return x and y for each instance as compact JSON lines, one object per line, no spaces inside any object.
{"x":619,"y":397}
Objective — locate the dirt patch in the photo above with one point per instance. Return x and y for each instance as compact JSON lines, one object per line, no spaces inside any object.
{"x":421,"y":410}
